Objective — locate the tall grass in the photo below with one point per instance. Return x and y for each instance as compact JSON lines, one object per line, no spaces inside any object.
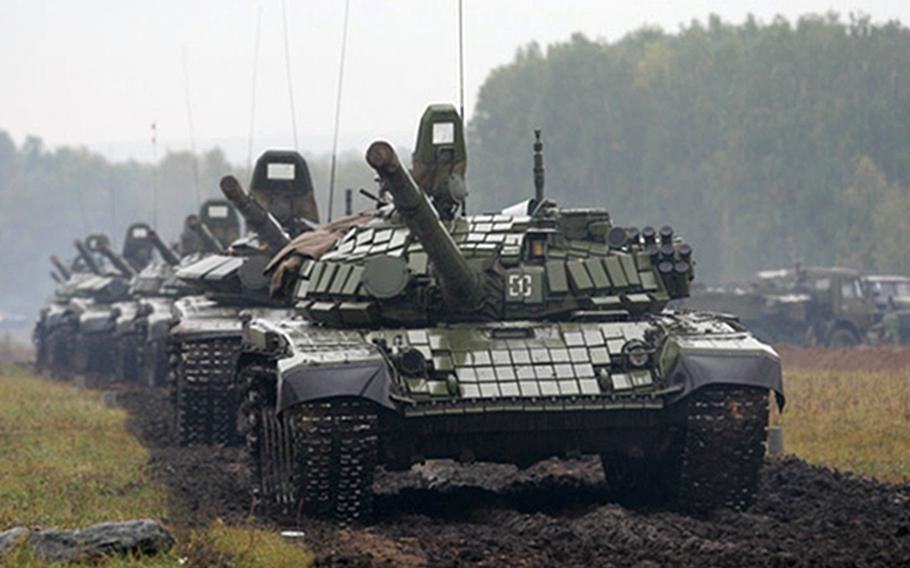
{"x":853,"y":421}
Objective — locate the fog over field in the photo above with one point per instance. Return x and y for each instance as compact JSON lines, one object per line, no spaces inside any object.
{"x":85,"y":81}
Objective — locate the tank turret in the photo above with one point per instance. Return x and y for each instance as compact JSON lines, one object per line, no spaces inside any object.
{"x":137,"y":246}
{"x":167,"y":255}
{"x":221,"y":219}
{"x":103,"y":246}
{"x":459,"y":282}
{"x":257,"y":217}
{"x":64,"y":271}
{"x":87,"y":257}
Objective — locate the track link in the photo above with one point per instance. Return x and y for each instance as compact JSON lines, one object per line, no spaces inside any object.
{"x":316,"y":459}
{"x":204,"y":393}
{"x":336,"y":453}
{"x":724,"y":448}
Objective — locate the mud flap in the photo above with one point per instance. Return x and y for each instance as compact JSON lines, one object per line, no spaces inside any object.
{"x":301,"y":382}
{"x":698,"y":369}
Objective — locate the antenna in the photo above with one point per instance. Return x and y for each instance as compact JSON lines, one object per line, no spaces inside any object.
{"x":113,"y":211}
{"x":189,"y":119}
{"x":538,"y":167}
{"x":344,"y":43}
{"x":464,"y":203}
{"x":287,"y":66}
{"x":249,"y":149}
{"x":461,"y":60}
{"x":155,"y":175}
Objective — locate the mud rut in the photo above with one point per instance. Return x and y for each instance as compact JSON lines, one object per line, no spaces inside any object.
{"x":556,"y":512}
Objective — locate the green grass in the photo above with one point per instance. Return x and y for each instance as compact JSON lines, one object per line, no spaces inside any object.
{"x":68,"y":462}
{"x":854,"y":421}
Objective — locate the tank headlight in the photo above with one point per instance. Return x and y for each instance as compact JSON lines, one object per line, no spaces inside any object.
{"x":636,"y":354}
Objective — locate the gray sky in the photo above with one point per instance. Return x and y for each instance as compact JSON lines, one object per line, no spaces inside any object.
{"x":99,"y":72}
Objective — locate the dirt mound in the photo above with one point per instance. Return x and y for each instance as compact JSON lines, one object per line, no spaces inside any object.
{"x":555,"y":513}
{"x":862,"y":358}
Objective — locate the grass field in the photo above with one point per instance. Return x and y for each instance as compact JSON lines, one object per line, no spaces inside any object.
{"x":68,"y":461}
{"x":854,"y":421}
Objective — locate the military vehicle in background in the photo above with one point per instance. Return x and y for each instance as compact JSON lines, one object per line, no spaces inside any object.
{"x":804,"y":305}
{"x":54,"y":331}
{"x":508,"y":337}
{"x":204,"y":343}
{"x":150,"y":282}
{"x":216,"y":226}
{"x":891,"y":296}
{"x":100,"y":305}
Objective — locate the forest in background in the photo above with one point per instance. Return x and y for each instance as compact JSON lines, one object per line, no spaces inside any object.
{"x":763,"y":144}
{"x":51,"y":197}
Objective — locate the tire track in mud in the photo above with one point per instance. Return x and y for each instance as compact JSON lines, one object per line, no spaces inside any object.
{"x":446,"y":514}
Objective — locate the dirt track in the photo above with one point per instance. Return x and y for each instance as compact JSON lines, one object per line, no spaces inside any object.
{"x":445,"y":514}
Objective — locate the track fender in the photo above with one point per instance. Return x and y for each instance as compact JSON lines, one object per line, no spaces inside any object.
{"x":744,"y":361}
{"x":301,"y":381}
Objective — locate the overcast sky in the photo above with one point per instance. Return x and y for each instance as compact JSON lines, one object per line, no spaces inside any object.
{"x":99,"y":72}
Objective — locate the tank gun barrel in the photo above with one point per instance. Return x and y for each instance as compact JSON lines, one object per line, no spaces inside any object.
{"x":201,"y":230}
{"x":87,"y":257}
{"x":460,"y":283}
{"x":118,"y":261}
{"x":257,"y":217}
{"x":165,"y":251}
{"x":61,"y":268}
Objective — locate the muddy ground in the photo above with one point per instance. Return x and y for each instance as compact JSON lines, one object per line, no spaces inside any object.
{"x":555,"y":513}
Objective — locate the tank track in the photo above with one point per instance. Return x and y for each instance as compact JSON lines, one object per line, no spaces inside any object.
{"x":61,"y":342}
{"x":318,"y":457}
{"x":724,"y":448}
{"x":269,"y":439}
{"x":126,"y":357}
{"x":204,"y":393}
{"x":336,"y":454}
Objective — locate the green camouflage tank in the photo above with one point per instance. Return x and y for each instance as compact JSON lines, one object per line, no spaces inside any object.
{"x":205,"y":334}
{"x":508,"y":337}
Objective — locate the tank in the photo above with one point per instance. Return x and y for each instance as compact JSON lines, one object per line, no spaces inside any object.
{"x":229,"y":285}
{"x":156,"y":281}
{"x":510,"y":337}
{"x":804,"y":305}
{"x":55,"y":327}
{"x":107,"y":300}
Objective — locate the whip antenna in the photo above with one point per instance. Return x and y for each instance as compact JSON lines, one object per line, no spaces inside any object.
{"x":461,"y":60}
{"x":287,"y":66}
{"x":464,"y":203}
{"x":249,"y":149}
{"x":155,"y":175}
{"x":189,"y":119}
{"x":344,"y":42}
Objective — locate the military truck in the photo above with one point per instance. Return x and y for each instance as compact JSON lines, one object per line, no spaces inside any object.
{"x":204,"y":343}
{"x":804,"y":305}
{"x":508,"y":337}
{"x":891,"y":297}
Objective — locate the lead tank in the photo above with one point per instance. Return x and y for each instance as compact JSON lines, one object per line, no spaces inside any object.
{"x":204,"y":342}
{"x":507,"y":337}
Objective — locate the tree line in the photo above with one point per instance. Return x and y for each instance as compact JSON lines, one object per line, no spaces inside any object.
{"x":763,"y":144}
{"x":52,"y":196}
